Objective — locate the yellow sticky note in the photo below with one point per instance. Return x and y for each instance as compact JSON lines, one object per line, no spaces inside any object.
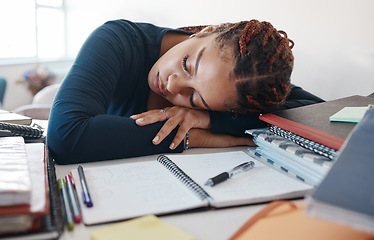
{"x":147,"y":227}
{"x":349,"y":114}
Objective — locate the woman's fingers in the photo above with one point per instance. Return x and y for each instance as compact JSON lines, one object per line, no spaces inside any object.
{"x":166,"y":129}
{"x":150,"y":117}
{"x":185,"y":118}
{"x":179,"y":137}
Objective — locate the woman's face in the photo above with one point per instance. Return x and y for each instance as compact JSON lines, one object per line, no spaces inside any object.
{"x":196,"y":74}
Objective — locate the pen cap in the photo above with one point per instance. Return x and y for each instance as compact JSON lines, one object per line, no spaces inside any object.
{"x":250,"y":165}
{"x":66,"y":179}
{"x":71,"y":179}
{"x":61,"y":183}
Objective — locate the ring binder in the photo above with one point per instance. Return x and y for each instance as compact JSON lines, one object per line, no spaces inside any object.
{"x":181,"y":175}
{"x":22,"y":130}
{"x":304,"y":142}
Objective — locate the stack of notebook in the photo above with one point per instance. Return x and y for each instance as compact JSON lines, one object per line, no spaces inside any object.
{"x":24,"y":192}
{"x":311,"y":127}
{"x":13,"y":124}
{"x":289,"y":157}
{"x":305,"y":141}
{"x":15,"y":118}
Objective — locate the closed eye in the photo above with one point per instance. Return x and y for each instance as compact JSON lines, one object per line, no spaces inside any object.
{"x":184,"y":65}
{"x":191,"y":101}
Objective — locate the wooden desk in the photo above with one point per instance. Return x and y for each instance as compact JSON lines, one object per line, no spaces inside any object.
{"x":203,"y":225}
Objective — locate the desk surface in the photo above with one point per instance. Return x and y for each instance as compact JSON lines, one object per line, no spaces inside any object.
{"x":203,"y":225}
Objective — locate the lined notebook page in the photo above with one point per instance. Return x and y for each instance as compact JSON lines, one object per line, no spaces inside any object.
{"x":134,"y":189}
{"x":255,"y":185}
{"x":130,"y":190}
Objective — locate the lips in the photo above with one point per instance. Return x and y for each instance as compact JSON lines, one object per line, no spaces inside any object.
{"x":158,"y":84}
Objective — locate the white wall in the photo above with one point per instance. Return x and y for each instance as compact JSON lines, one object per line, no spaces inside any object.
{"x":334,"y":50}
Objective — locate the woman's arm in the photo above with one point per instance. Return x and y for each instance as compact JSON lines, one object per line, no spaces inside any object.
{"x":196,"y":122}
{"x":80,"y":130}
{"x":216,"y":122}
{"x":229,"y":123}
{"x":206,"y":139}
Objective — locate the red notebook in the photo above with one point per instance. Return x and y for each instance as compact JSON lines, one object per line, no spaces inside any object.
{"x":312,"y":122}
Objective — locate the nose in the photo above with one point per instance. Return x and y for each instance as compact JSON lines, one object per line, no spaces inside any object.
{"x":175,"y":84}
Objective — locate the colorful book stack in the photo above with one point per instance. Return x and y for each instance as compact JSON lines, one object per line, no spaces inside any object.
{"x":24,"y":193}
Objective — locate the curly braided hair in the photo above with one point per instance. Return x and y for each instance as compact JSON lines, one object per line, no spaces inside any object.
{"x":263,"y":62}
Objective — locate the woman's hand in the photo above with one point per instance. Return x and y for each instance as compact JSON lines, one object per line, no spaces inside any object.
{"x":206,"y":139}
{"x":186,"y":118}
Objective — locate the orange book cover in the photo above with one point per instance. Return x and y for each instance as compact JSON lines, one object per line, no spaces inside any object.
{"x":288,"y":220}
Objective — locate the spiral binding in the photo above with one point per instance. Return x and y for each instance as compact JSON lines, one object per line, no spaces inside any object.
{"x":22,"y":130}
{"x":182,"y":176}
{"x":55,"y":220}
{"x":306,"y":143}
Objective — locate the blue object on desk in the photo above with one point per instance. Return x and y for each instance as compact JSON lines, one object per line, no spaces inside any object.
{"x":86,"y":195}
{"x":2,"y":89}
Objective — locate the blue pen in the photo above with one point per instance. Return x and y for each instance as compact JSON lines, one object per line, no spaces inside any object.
{"x":86,"y":195}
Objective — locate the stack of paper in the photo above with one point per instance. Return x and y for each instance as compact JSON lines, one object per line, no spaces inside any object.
{"x":15,"y":184}
{"x":22,"y":211}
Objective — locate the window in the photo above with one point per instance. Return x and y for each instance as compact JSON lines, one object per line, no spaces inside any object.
{"x":32,"y":29}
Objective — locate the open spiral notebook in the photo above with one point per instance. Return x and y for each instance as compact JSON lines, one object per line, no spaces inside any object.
{"x":175,"y":183}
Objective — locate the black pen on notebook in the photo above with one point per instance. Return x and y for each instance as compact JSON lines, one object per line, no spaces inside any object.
{"x":86,"y":195}
{"x":226,"y":175}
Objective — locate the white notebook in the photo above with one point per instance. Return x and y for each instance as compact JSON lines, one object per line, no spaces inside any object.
{"x":130,"y":190}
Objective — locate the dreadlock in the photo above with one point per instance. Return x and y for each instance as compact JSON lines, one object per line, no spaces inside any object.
{"x":263,"y":62}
